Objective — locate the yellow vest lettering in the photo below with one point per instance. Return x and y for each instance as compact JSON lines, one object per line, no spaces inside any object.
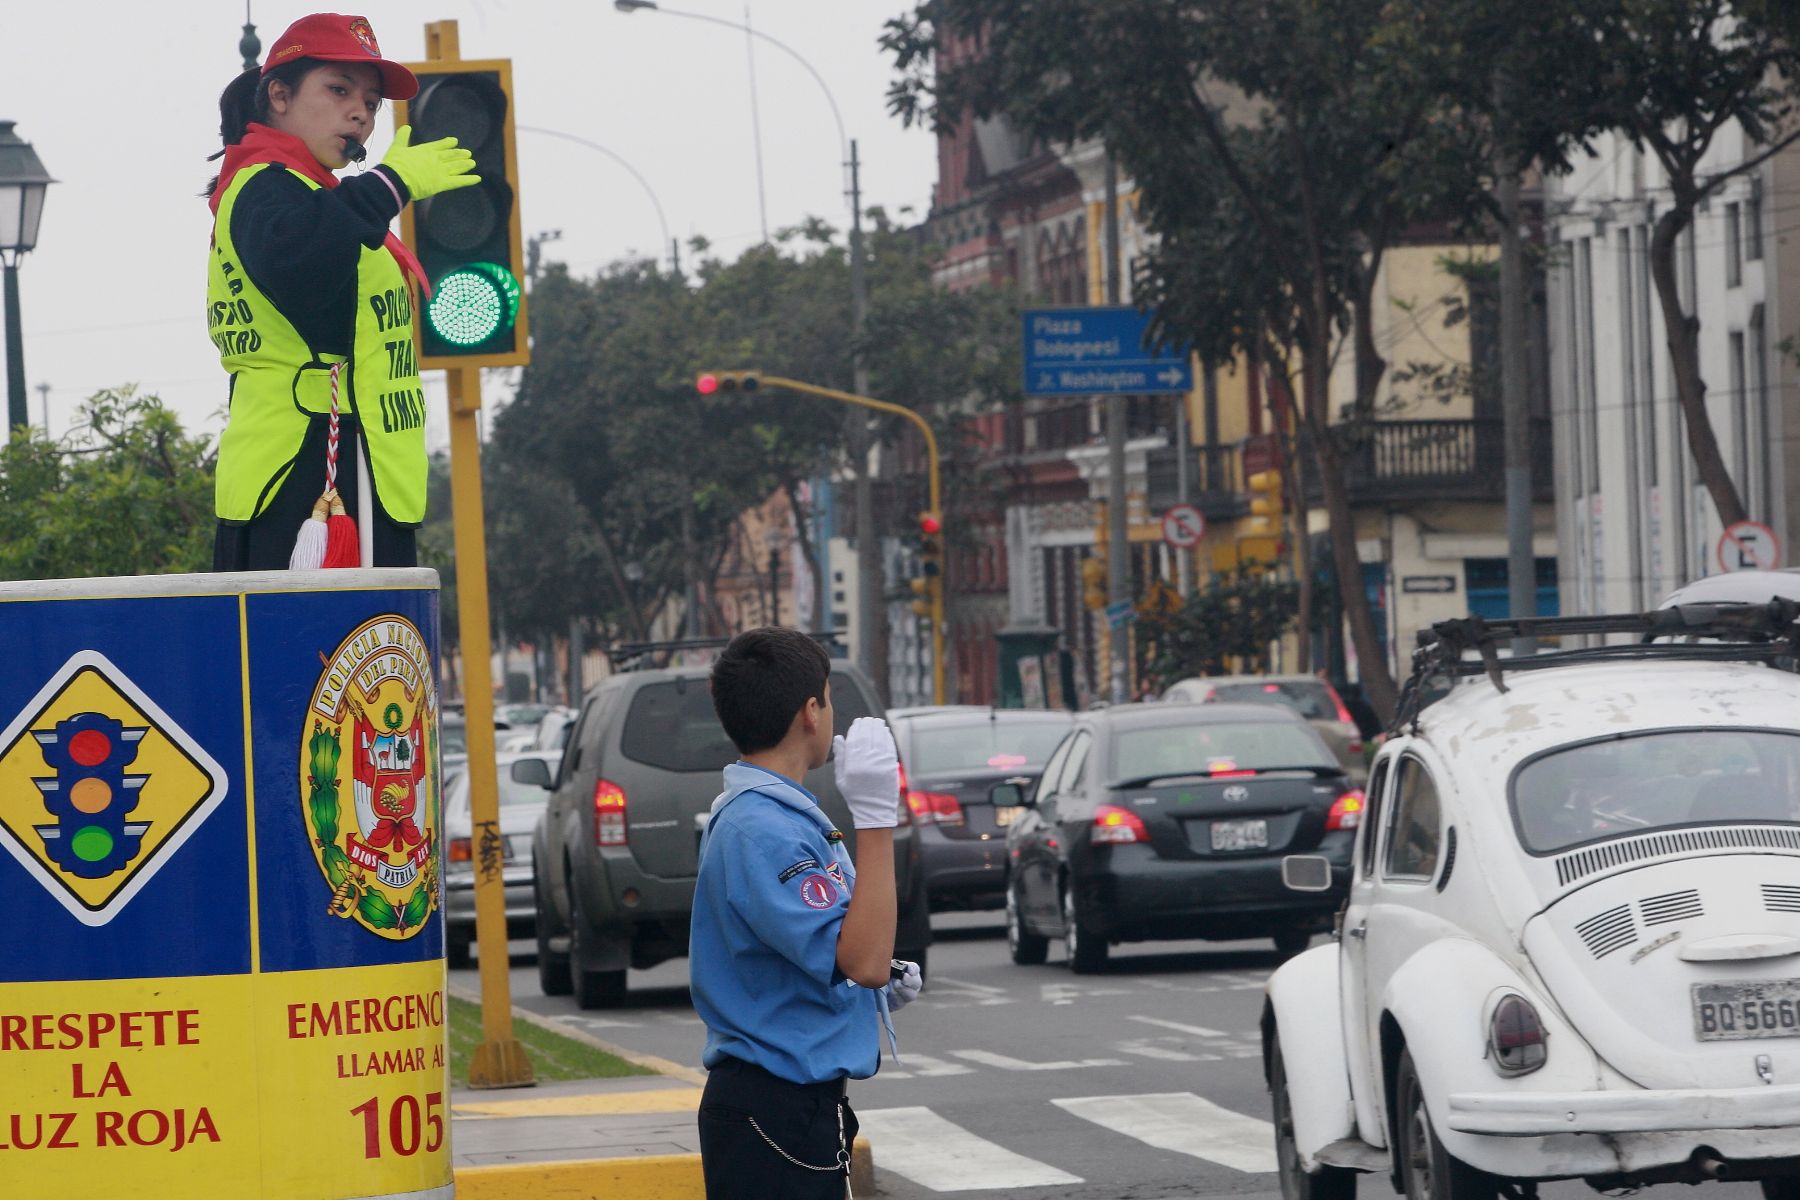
{"x":281,"y":386}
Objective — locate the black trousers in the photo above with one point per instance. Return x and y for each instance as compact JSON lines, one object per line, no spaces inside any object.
{"x":744,"y":1109}
{"x":266,"y":543}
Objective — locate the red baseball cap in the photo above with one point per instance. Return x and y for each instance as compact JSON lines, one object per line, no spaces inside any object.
{"x":337,"y":37}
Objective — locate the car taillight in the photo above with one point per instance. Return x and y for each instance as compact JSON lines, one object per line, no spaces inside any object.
{"x":1116,"y":825}
{"x":1356,"y":746}
{"x":460,"y":850}
{"x":609,"y":813}
{"x":1517,"y":1043}
{"x":941,"y":807}
{"x":1343,"y":712}
{"x":1346,"y":811}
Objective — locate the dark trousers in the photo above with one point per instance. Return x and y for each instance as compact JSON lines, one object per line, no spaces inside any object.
{"x":744,"y":1109}
{"x":266,"y":543}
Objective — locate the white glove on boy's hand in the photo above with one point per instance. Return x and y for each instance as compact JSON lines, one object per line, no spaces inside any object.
{"x":904,"y":988}
{"x":868,"y":773}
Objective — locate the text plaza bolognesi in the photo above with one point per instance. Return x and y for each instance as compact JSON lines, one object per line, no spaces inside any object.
{"x":252,"y":991}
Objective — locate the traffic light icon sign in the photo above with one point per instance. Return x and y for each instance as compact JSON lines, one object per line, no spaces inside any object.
{"x":91,"y":795}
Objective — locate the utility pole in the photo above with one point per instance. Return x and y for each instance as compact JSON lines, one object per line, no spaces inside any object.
{"x":871,"y":635}
{"x":1118,"y":553}
{"x":1515,"y":396}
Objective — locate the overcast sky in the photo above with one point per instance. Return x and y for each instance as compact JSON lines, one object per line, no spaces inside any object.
{"x":120,"y":99}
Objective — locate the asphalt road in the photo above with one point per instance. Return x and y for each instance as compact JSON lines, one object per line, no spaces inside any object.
{"x":1142,"y":1083}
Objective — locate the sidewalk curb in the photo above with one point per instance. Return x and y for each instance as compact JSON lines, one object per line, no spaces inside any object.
{"x":643,"y":1177}
{"x":661,"y":1066}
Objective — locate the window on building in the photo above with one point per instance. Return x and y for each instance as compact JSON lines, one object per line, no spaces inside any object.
{"x":1485,"y":585}
{"x":1759,"y":499}
{"x":1740,"y":418}
{"x":1734,"y":246}
{"x":1753,"y":246}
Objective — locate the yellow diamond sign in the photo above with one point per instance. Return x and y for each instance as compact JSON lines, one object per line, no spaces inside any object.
{"x":99,"y":788}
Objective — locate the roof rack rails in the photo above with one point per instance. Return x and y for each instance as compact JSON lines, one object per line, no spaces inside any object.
{"x":633,"y":656}
{"x":1766,"y":633}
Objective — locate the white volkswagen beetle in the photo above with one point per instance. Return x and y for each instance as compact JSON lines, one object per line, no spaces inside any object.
{"x":1571,"y":947}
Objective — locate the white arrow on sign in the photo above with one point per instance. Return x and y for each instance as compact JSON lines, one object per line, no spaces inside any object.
{"x":1183,"y":526}
{"x":1170,"y":376}
{"x":1748,"y":546}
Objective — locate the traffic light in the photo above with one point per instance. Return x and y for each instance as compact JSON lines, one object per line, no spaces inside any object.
{"x":727,"y":382}
{"x":91,"y":795}
{"x":1266,"y":505}
{"x":928,"y":587}
{"x":1093,"y":582}
{"x":468,"y":239}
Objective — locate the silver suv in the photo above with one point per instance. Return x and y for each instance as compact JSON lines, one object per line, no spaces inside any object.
{"x":617,"y":850}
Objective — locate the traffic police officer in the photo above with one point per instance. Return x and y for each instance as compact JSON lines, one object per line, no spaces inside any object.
{"x":308,"y":300}
{"x":792,"y":942}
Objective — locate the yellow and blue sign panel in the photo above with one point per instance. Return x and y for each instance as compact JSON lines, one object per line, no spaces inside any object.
{"x":220,"y":810}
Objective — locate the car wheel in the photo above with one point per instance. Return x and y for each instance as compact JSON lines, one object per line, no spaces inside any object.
{"x":1027,"y":949}
{"x":593,"y":988}
{"x":1427,"y":1170}
{"x":1085,"y":952}
{"x":457,"y":943}
{"x":554,"y":977}
{"x":1327,"y":1183}
{"x":1290,"y":942}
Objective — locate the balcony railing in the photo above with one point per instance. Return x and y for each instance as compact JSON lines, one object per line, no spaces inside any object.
{"x":1215,"y":480}
{"x":1436,"y":460}
{"x":1058,"y":427}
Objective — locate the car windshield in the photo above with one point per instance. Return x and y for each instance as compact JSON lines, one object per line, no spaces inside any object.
{"x":985,"y":743}
{"x":1654,"y":781}
{"x":1216,"y":748}
{"x":454,"y":736}
{"x":511,"y":791}
{"x":673,"y":726}
{"x":1307,"y":697}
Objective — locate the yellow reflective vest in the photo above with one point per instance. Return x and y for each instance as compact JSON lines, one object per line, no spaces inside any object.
{"x":280,"y":384}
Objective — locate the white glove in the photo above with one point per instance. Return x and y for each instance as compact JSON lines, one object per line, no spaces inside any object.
{"x":868,"y":773}
{"x":904,"y":988}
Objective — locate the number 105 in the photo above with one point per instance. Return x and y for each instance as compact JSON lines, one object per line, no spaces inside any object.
{"x":407,"y":1125}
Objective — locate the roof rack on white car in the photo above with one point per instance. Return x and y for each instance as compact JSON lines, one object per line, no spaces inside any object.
{"x":1448,"y":650}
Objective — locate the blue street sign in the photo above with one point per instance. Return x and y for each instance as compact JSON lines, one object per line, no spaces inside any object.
{"x":1119,"y":614}
{"x":1097,"y":352}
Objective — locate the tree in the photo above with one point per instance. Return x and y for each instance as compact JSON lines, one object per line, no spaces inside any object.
{"x":1302,"y":135}
{"x":1235,"y":617}
{"x":1679,"y":72}
{"x":126,"y":491}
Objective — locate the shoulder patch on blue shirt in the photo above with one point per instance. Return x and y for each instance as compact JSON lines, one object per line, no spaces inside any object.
{"x":804,"y":864}
{"x":833,"y":835}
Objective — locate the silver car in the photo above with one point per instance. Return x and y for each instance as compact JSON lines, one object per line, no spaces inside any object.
{"x":1308,"y":695}
{"x":520,"y":806}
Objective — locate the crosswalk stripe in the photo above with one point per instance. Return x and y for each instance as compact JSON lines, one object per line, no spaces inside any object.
{"x":1006,"y":1062}
{"x":938,"y":1154}
{"x":1196,"y":1030}
{"x":1184,"y":1123}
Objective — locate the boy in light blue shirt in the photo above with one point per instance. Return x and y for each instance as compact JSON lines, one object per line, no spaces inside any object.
{"x":792,"y":942}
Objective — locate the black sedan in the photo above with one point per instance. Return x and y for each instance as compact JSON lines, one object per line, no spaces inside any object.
{"x":952,"y":757}
{"x":1155,"y":822}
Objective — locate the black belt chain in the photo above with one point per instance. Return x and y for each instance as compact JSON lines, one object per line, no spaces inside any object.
{"x":843,"y":1154}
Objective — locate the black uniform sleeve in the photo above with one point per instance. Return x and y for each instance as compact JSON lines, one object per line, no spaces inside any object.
{"x":301,"y":244}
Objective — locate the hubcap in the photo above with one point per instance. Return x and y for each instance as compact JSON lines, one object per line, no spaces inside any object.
{"x":1071,"y":937}
{"x":1012,"y":920}
{"x":1418,"y":1155}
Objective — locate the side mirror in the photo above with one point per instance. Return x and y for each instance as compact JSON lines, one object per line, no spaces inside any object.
{"x":1306,"y":873}
{"x":534,"y":772}
{"x":1011,"y":794}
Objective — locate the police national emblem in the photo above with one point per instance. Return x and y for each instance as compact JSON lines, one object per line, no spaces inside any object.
{"x":99,"y":787}
{"x":365,"y":37}
{"x":368,"y":756}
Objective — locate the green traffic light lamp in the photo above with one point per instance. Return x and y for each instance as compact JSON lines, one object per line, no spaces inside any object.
{"x":474,"y":304}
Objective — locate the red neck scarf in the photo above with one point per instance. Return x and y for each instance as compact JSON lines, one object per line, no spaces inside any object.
{"x":262,"y":144}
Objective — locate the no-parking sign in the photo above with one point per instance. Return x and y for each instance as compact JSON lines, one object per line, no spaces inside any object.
{"x":1748,"y":546}
{"x":1183,"y":526}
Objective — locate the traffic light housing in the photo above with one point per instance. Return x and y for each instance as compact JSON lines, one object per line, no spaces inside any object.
{"x":91,"y":795}
{"x":927,"y":587}
{"x":1266,"y":502}
{"x":468,"y":239}
{"x":1093,"y":582}
{"x":724,"y":383}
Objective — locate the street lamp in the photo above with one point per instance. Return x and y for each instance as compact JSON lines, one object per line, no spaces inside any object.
{"x":23,"y":182}
{"x":661,"y":220}
{"x":868,"y":562}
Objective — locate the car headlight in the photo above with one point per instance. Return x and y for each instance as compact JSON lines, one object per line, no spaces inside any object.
{"x":1517,"y":1043}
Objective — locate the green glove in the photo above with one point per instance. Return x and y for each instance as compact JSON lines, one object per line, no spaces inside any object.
{"x":434,"y":167}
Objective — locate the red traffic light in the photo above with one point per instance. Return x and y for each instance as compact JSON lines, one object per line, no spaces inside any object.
{"x":707,"y":384}
{"x":929,"y":525}
{"x":90,"y":748}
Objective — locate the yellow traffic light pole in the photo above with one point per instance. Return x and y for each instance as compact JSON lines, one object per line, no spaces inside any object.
{"x":931,"y":451}
{"x":499,"y":1060}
